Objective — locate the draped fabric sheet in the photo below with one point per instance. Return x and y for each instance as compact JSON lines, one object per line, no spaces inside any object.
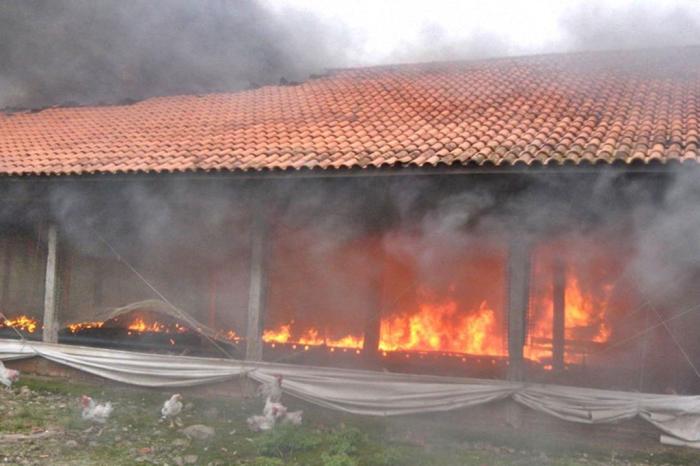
{"x":378,"y":393}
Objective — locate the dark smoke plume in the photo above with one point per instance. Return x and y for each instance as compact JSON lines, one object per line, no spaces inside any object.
{"x":89,"y":52}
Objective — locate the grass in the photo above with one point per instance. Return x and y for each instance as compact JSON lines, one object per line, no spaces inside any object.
{"x":134,"y":436}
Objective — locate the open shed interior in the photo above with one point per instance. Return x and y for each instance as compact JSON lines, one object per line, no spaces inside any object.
{"x":577,"y":277}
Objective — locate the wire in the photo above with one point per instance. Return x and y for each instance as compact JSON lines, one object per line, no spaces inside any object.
{"x":4,"y":317}
{"x":678,"y":344}
{"x":647,"y":330}
{"x":181,"y":313}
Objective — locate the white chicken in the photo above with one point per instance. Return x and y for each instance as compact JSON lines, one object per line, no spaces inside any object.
{"x":95,"y":412}
{"x":8,"y":376}
{"x":171,"y":409}
{"x":274,"y":410}
{"x":261,"y":423}
{"x":273,"y":390}
{"x":293,"y":418}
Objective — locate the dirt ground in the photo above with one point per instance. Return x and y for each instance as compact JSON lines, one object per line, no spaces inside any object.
{"x":40,"y":424}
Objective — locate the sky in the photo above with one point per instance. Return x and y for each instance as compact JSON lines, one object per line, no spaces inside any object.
{"x":384,"y":30}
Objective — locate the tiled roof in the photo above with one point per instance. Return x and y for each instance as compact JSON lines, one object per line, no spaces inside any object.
{"x":552,"y":109}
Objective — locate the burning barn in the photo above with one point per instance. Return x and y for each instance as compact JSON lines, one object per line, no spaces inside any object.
{"x":473,"y":224}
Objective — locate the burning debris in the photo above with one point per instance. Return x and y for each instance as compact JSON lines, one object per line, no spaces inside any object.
{"x":23,"y":323}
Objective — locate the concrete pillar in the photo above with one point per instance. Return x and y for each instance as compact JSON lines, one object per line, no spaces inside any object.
{"x":258,"y":285}
{"x":50,"y":334}
{"x":518,"y":303}
{"x":559,"y":314}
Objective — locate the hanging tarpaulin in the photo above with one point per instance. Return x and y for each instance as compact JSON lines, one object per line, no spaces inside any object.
{"x":377,"y":393}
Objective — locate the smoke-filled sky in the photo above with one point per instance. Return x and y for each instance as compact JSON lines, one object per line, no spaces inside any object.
{"x":90,"y":52}
{"x":437,"y":29}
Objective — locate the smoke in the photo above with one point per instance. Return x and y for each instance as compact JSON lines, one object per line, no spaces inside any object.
{"x":593,"y":26}
{"x":586,"y":26}
{"x":85,"y":52}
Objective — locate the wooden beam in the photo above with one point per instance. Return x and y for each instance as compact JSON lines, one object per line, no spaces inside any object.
{"x":558,"y":314}
{"x":211,"y":321}
{"x":51,"y":289}
{"x":373,"y":318}
{"x":258,"y":284}
{"x":518,"y":295}
{"x":6,"y":275}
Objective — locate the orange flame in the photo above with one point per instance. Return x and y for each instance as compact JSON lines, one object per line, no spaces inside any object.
{"x":24,"y":323}
{"x":281,"y":335}
{"x":78,"y":326}
{"x":585,"y":317}
{"x":348,"y":341}
{"x":432,"y":328}
{"x":310,"y":337}
{"x":442,"y":327}
{"x":231,"y":335}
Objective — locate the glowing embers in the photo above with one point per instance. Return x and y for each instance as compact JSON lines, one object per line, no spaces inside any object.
{"x":24,"y":323}
{"x":443,"y":327}
{"x":146,"y":330}
{"x":141,"y":325}
{"x":309,"y":337}
{"x":79,"y":326}
{"x":231,"y":336}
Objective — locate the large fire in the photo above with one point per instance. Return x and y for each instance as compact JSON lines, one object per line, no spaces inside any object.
{"x":442,"y":327}
{"x":586,"y":322}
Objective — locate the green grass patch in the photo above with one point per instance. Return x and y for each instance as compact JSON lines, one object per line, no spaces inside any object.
{"x":134,"y":435}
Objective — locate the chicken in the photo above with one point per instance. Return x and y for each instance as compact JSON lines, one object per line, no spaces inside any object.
{"x":171,"y":409}
{"x":95,"y":412}
{"x":8,"y":376}
{"x":293,"y":418}
{"x":274,"y":410}
{"x":273,"y":390}
{"x":261,"y":423}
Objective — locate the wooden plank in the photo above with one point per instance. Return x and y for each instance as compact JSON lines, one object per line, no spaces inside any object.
{"x":6,"y":275}
{"x":518,"y":295}
{"x":211,"y":321}
{"x":50,"y":334}
{"x":258,"y":284}
{"x":373,"y":318}
{"x":559,"y":313}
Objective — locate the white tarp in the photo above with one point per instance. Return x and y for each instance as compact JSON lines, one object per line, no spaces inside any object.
{"x":377,"y":393}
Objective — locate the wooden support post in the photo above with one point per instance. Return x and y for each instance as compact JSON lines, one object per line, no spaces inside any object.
{"x":257,"y":289}
{"x":559,"y":314}
{"x":51,"y":288}
{"x":518,"y":303}
{"x":373,"y":319}
{"x":212,"y":299}
{"x":6,"y":275}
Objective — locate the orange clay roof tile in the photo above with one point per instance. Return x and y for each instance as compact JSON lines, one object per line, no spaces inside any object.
{"x":604,"y":107}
